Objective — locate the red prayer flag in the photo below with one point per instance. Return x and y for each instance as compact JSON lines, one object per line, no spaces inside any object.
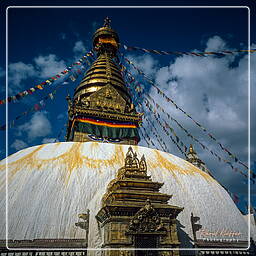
{"x":36,"y":107}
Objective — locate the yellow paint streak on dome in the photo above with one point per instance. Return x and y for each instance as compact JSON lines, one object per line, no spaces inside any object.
{"x":163,"y":162}
{"x":116,"y":159}
{"x":72,"y":159}
{"x":188,"y":169}
{"x":95,"y":145}
{"x":2,"y":167}
{"x":28,"y":161}
{"x":193,"y":170}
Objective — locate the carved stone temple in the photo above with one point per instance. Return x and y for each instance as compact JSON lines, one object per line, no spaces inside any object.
{"x":135,"y":214}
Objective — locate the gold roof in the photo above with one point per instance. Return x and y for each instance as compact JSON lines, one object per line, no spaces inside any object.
{"x":105,"y":32}
{"x":102,"y":72}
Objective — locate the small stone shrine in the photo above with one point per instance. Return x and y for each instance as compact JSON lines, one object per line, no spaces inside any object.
{"x":135,"y":214}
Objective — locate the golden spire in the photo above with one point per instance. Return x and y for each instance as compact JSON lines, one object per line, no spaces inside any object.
{"x":102,"y":97}
{"x":107,"y":22}
{"x":191,"y":149}
{"x":193,"y":158}
{"x":104,"y":70}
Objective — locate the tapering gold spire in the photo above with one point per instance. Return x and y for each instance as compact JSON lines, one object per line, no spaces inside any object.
{"x":102,"y":107}
{"x":191,"y":149}
{"x":193,"y":158}
{"x":103,"y":71}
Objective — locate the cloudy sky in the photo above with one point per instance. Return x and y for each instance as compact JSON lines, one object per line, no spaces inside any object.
{"x":213,"y":90}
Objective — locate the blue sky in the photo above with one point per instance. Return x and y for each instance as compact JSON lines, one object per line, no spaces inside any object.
{"x":42,"y":41}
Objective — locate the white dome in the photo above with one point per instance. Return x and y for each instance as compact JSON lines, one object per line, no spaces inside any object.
{"x":50,"y":184}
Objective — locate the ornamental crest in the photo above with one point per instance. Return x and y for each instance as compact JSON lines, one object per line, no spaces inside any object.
{"x":146,"y":220}
{"x":133,"y":166}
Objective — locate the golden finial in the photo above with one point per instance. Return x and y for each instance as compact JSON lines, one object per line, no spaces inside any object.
{"x":107,"y":21}
{"x":191,"y":149}
{"x":143,"y":164}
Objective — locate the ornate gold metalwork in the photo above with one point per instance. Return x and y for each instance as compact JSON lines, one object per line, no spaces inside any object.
{"x":146,"y":220}
{"x":193,"y":158}
{"x":133,"y":206}
{"x":102,"y":92}
{"x":112,"y":116}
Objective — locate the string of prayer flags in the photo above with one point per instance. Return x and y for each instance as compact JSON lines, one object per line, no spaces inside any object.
{"x":49,"y":81}
{"x":153,"y":144}
{"x":235,"y":197}
{"x":178,"y":53}
{"x":38,"y":106}
{"x":157,"y":115}
{"x":181,"y":127}
{"x":159,"y":139}
{"x":192,"y":137}
{"x":144,"y":136}
{"x":168,"y":99}
{"x":175,"y":142}
{"x":73,"y":77}
{"x":151,"y":108}
{"x":167,"y":133}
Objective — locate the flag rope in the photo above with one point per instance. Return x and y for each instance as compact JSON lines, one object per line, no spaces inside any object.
{"x":178,"y":53}
{"x":49,"y":81}
{"x":38,"y":106}
{"x":185,"y":113}
{"x":138,"y":89}
{"x":160,"y":140}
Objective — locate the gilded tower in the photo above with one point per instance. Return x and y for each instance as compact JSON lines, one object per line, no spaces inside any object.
{"x":136,"y":215}
{"x":193,"y":158}
{"x":102,"y":108}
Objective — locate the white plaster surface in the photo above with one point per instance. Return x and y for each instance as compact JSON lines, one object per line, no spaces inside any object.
{"x":50,"y":184}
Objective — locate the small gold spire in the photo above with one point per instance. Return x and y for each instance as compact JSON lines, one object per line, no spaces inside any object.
{"x":107,"y":22}
{"x":191,"y":149}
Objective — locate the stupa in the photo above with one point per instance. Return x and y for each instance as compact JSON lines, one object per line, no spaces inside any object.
{"x":99,"y":193}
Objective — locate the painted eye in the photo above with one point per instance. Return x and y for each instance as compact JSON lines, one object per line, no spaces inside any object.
{"x":113,"y":140}
{"x":96,"y":138}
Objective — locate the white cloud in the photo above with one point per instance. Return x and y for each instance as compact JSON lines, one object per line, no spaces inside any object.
{"x":215,"y":93}
{"x":49,"y":65}
{"x":43,"y":67}
{"x":49,"y":140}
{"x":95,"y":26}
{"x":19,"y":144}
{"x":17,"y":72}
{"x":38,"y":126}
{"x":147,"y":64}
{"x":62,"y":115}
{"x":79,"y":47}
{"x":215,"y":43}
